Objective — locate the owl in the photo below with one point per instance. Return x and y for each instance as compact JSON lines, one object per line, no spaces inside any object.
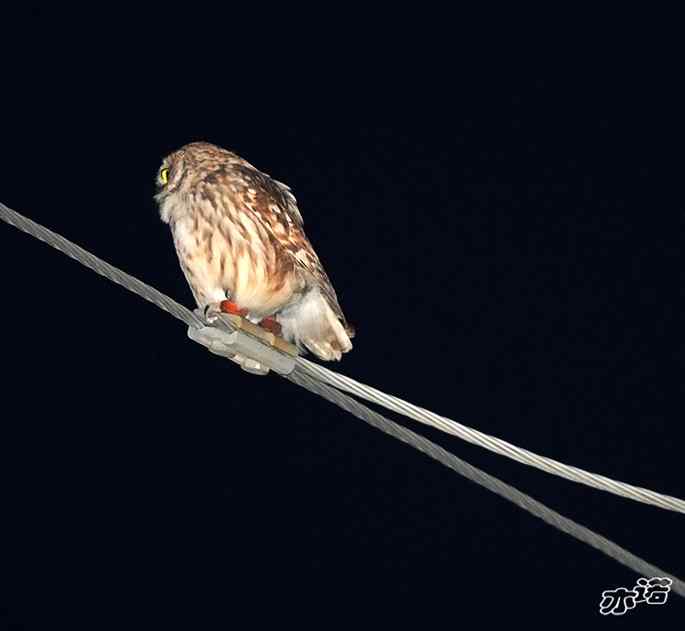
{"x":241,"y":244}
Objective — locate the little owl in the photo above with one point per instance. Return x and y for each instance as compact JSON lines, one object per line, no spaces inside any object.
{"x":240,"y":240}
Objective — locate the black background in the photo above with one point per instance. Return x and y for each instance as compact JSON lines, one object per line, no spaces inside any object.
{"x":500,"y":234}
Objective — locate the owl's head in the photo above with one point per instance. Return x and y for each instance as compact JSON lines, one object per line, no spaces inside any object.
{"x":189,"y":165}
{"x":184,"y":171}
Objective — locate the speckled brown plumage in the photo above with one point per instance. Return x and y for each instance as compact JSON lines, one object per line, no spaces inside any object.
{"x":239,"y":235}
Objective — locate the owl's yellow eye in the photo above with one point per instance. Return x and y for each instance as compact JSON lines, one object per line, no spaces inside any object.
{"x":164,"y":175}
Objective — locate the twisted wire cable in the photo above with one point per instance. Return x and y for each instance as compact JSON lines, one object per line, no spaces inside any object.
{"x":319,"y":380}
{"x":347,"y":384}
{"x":103,"y":268}
{"x":497,"y":445}
{"x":508,"y":492}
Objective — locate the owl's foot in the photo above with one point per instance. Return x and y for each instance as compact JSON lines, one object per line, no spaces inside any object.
{"x":227,"y":306}
{"x":215,"y":309}
{"x":271,"y":324}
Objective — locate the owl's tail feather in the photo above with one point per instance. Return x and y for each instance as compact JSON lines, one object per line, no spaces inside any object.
{"x":311,"y":323}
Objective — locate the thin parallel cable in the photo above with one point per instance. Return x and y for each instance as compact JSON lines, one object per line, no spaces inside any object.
{"x":497,"y":445}
{"x":527,"y":503}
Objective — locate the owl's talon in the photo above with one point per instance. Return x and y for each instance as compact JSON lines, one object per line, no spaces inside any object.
{"x":271,"y":324}
{"x":212,"y":312}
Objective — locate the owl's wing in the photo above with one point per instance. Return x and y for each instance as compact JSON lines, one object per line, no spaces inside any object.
{"x":275,"y":205}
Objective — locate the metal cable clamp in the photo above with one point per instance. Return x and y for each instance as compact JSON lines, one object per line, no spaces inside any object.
{"x":254,"y":349}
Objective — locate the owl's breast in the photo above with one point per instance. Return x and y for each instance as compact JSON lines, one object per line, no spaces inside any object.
{"x":224,"y":258}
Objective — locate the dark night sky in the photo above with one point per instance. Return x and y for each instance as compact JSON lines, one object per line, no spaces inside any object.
{"x":516,"y":220}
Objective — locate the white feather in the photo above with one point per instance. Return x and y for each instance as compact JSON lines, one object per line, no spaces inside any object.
{"x":310,"y":322}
